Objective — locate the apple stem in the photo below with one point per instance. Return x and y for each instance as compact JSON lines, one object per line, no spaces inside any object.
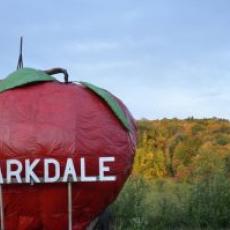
{"x":58,"y":70}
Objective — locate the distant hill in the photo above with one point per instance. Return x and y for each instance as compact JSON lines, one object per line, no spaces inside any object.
{"x":182,"y":149}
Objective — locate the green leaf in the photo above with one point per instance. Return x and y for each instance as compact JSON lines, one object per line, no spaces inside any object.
{"x":23,"y":77}
{"x":111,"y":102}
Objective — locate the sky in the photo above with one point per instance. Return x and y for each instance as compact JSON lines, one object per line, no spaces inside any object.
{"x":164,"y":59}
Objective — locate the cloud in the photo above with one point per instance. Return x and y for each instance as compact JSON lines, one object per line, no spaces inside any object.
{"x":92,"y":46}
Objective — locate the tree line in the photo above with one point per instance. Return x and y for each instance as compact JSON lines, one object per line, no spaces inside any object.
{"x":185,"y":150}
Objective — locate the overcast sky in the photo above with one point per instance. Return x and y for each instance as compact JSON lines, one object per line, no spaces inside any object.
{"x":165,"y":58}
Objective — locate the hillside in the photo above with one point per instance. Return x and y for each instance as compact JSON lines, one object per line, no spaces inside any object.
{"x":181,"y":177}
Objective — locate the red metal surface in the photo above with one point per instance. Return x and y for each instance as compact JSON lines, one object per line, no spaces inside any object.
{"x":61,"y":120}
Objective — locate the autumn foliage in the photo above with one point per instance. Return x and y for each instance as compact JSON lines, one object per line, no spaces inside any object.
{"x":185,"y":150}
{"x":181,"y":177}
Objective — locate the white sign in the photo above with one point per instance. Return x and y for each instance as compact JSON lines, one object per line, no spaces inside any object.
{"x":16,"y":168}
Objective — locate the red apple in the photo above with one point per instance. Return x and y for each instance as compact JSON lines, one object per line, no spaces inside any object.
{"x":41,"y":118}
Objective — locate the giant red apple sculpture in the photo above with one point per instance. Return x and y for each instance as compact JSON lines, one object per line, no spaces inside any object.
{"x":48,"y":129}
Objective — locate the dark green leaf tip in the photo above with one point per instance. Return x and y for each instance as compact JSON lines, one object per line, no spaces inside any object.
{"x":111,"y":102}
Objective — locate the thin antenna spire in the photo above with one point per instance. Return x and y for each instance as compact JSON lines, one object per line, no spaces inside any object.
{"x":20,"y":58}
